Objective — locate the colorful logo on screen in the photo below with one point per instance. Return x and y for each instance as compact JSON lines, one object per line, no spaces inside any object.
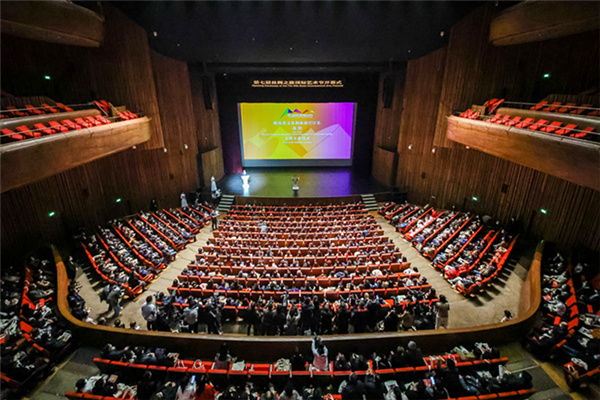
{"x":297,"y":114}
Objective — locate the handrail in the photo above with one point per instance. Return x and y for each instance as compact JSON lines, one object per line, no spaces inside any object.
{"x":248,"y":348}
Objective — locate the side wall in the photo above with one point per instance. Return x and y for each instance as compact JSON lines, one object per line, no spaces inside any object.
{"x":470,"y":71}
{"x":126,"y":72}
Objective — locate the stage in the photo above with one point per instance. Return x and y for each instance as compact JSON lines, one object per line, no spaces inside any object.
{"x":314,"y":182}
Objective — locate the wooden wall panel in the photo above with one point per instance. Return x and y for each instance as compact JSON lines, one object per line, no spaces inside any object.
{"x":208,"y":129}
{"x":468,"y":72}
{"x":177,"y":119}
{"x":384,"y":168}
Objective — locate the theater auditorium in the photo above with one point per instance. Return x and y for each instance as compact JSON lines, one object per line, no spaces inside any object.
{"x":294,"y":200}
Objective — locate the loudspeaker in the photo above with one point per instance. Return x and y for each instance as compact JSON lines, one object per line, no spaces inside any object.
{"x":387,"y":95}
{"x":206,"y":92}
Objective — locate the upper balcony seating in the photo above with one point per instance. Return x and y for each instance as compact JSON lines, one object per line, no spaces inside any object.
{"x":568,"y":108}
{"x":541,"y":125}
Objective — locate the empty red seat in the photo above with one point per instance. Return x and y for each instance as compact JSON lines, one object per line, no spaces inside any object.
{"x":582,"y":133}
{"x":44,"y":129}
{"x":63,"y":107}
{"x":9,"y":135}
{"x":123,"y":116}
{"x":581,"y":109}
{"x":513,"y":121}
{"x":566,"y":130}
{"x":58,"y":127}
{"x":539,"y":105}
{"x":566,"y":108}
{"x":33,"y":111}
{"x":92,"y":121}
{"x":552,"y":127}
{"x":16,"y":113}
{"x":504,"y":119}
{"x":49,"y":109}
{"x":102,"y":120}
{"x":28,"y":132}
{"x":541,"y":123}
{"x":83,"y":123}
{"x":553,"y":107}
{"x":70,"y":124}
{"x":525,"y":123}
{"x":495,"y":118}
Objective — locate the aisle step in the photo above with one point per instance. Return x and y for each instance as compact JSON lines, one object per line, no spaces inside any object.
{"x":370,"y":202}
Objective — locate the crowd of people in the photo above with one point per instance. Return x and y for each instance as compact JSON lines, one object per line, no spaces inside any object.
{"x":34,"y":339}
{"x":443,"y":379}
{"x":304,"y":316}
{"x":570,"y":303}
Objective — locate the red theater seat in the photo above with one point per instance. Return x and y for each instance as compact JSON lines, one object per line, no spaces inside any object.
{"x":49,"y":109}
{"x":63,"y":107}
{"x":552,"y":127}
{"x":11,"y":136}
{"x":33,"y":111}
{"x":566,"y":108}
{"x":553,"y":107}
{"x":83,"y":123}
{"x":513,"y":121}
{"x":69,"y":124}
{"x":581,"y":109}
{"x":58,"y":127}
{"x":539,"y":105}
{"x":44,"y":129}
{"x":525,"y":123}
{"x":566,"y":130}
{"x":28,"y":132}
{"x":537,"y":125}
{"x":583,"y":133}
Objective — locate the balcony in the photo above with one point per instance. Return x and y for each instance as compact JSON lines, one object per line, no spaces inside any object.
{"x":570,"y":158}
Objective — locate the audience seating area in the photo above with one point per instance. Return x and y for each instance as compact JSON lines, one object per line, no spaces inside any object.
{"x":298,"y":265}
{"x":60,"y":124}
{"x":463,"y":374}
{"x":132,"y":257}
{"x":33,"y":339}
{"x":570,"y":315}
{"x":448,"y":238}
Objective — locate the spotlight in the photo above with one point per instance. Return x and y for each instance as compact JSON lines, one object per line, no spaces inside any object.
{"x":51,"y":214}
{"x":433,"y":150}
{"x":543,"y":211}
{"x":118,"y":200}
{"x":165,"y":149}
{"x":410,"y":146}
{"x":474,"y":198}
{"x":546,"y":75}
{"x":47,"y":77}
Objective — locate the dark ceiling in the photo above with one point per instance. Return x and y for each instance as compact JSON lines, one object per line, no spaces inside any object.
{"x":266,"y":33}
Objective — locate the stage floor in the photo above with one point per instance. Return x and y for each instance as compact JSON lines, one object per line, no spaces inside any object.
{"x":314,"y":182}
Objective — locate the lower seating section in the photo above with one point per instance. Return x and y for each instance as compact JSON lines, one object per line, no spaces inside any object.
{"x":457,"y":243}
{"x":570,"y":315}
{"x":33,"y":339}
{"x":300,"y":267}
{"x":137,"y":372}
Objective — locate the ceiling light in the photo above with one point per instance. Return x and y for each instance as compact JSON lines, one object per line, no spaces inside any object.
{"x":154,"y":33}
{"x":546,"y":75}
{"x":165,"y":149}
{"x":433,"y":150}
{"x":543,"y":211}
{"x":410,"y":146}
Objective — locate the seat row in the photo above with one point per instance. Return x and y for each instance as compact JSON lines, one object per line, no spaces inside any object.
{"x":30,"y":110}
{"x":24,"y":132}
{"x":215,"y":269}
{"x":570,"y":108}
{"x":542,"y":125}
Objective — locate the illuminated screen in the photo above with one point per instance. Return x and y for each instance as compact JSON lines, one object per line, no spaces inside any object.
{"x":296,"y":134}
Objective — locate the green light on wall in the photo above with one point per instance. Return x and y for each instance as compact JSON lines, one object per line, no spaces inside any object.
{"x":474,"y":198}
{"x":543,"y":211}
{"x":546,"y":75}
{"x":51,"y":214}
{"x":118,"y":200}
{"x":47,"y":77}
